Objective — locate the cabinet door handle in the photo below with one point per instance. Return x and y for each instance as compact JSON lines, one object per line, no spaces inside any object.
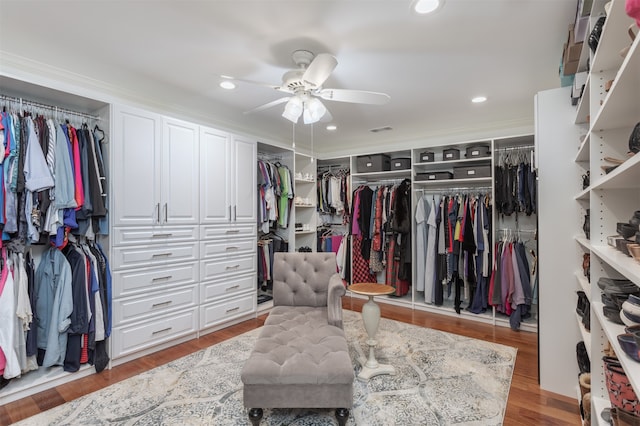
{"x":155,"y":305}
{"x":161,"y":235}
{"x":230,"y":217}
{"x":160,"y":254}
{"x":166,"y":213}
{"x":158,"y":213}
{"x":233,"y":231}
{"x":161,"y":331}
{"x":167,"y":277}
{"x":233,"y":309}
{"x":232,"y":248}
{"x":235,"y":216}
{"x":233,"y":267}
{"x":233,"y":287}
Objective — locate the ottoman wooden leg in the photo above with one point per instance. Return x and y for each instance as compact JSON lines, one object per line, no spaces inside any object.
{"x":255,"y":415}
{"x":342,"y":414}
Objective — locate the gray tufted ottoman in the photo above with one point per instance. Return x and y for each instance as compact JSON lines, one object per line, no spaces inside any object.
{"x":300,"y":359}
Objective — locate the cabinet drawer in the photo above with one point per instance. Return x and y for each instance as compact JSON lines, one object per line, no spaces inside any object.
{"x":216,"y":289}
{"x":227,"y":231}
{"x":136,"y":337}
{"x":227,"y":247}
{"x":127,"y":257}
{"x":152,"y":235}
{"x":143,"y":280}
{"x":216,"y":313}
{"x":214,"y":268}
{"x":126,"y":310}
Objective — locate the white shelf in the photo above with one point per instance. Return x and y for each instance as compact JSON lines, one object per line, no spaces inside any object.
{"x":586,"y":335}
{"x":393,"y":174}
{"x":305,"y":205}
{"x":621,"y":107}
{"x":583,"y":152}
{"x":631,"y":367}
{"x":613,"y":38}
{"x":621,"y":262}
{"x":582,"y":110}
{"x":584,"y":284}
{"x":298,"y":180}
{"x":627,"y":175}
{"x":585,"y":194}
{"x":306,"y":232}
{"x":599,"y":404}
{"x":586,"y":244}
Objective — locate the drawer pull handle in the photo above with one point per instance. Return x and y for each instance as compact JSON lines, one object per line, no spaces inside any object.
{"x":232,"y":248}
{"x":233,"y":267}
{"x":233,"y":231}
{"x":233,"y":309}
{"x":162,"y":278}
{"x":155,"y":305}
{"x":233,"y":287}
{"x":162,"y":331}
{"x":162,"y":235}
{"x":161,"y":254}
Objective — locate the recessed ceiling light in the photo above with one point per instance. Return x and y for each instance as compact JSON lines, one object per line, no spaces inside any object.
{"x":423,"y":7}
{"x":331,"y":127}
{"x":227,"y":84}
{"x":479,"y":99}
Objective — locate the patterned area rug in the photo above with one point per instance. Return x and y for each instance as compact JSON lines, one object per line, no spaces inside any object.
{"x":441,"y":379}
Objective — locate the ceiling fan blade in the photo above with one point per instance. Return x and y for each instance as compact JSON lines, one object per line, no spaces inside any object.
{"x":269,"y":105}
{"x":260,"y":83}
{"x":319,"y":69}
{"x":354,"y":96}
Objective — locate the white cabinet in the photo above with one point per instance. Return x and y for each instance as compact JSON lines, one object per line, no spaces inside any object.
{"x":155,"y":169}
{"x":228,"y":178}
{"x":305,"y":202}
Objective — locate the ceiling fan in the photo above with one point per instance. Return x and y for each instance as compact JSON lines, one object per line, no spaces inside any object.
{"x":304,"y":84}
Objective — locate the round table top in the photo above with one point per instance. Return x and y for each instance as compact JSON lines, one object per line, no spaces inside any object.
{"x":371,"y":289}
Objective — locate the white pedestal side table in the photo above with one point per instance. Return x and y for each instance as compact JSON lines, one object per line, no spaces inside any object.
{"x":371,"y":318}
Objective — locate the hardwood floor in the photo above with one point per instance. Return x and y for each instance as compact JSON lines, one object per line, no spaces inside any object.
{"x":527,"y":405}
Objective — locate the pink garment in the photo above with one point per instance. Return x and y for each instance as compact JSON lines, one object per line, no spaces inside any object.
{"x":632,"y":7}
{"x":77,"y":174}
{"x":355,"y":229}
{"x":335,"y":243}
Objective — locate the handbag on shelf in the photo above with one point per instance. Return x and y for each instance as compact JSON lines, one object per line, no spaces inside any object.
{"x":596,"y":32}
{"x":634,"y":139}
{"x":621,"y":393}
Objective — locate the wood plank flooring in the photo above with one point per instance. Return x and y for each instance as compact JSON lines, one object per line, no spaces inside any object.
{"x":527,"y":405}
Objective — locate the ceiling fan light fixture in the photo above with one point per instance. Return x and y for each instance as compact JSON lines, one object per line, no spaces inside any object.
{"x":422,"y":7}
{"x":293,"y":109}
{"x":314,"y":110}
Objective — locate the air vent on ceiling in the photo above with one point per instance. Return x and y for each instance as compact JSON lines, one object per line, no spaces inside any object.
{"x":381,"y":129}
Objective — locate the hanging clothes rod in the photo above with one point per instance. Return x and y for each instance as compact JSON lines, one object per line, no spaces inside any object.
{"x":28,"y":103}
{"x":455,"y":189}
{"x":516,"y":148}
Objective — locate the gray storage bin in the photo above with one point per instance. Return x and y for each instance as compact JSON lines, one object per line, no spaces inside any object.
{"x":373,"y":163}
{"x":400,"y":163}
{"x":433,"y":176}
{"x":478,"y":151}
{"x":450,"y":154}
{"x":469,"y":172}
{"x":427,"y":157}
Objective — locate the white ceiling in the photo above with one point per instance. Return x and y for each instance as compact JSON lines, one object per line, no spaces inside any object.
{"x":171,"y":53}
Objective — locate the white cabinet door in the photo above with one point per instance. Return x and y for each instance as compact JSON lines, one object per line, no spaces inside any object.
{"x":245,"y":189}
{"x":180,"y":178}
{"x":136,"y":177}
{"x":215,"y":176}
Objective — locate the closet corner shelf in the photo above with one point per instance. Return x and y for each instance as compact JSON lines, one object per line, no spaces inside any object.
{"x":584,"y":283}
{"x":627,"y":175}
{"x":298,"y":180}
{"x":611,"y":330}
{"x":583,"y":151}
{"x":585,"y":243}
{"x":586,"y":335}
{"x":583,"y":195}
{"x":621,"y":262}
